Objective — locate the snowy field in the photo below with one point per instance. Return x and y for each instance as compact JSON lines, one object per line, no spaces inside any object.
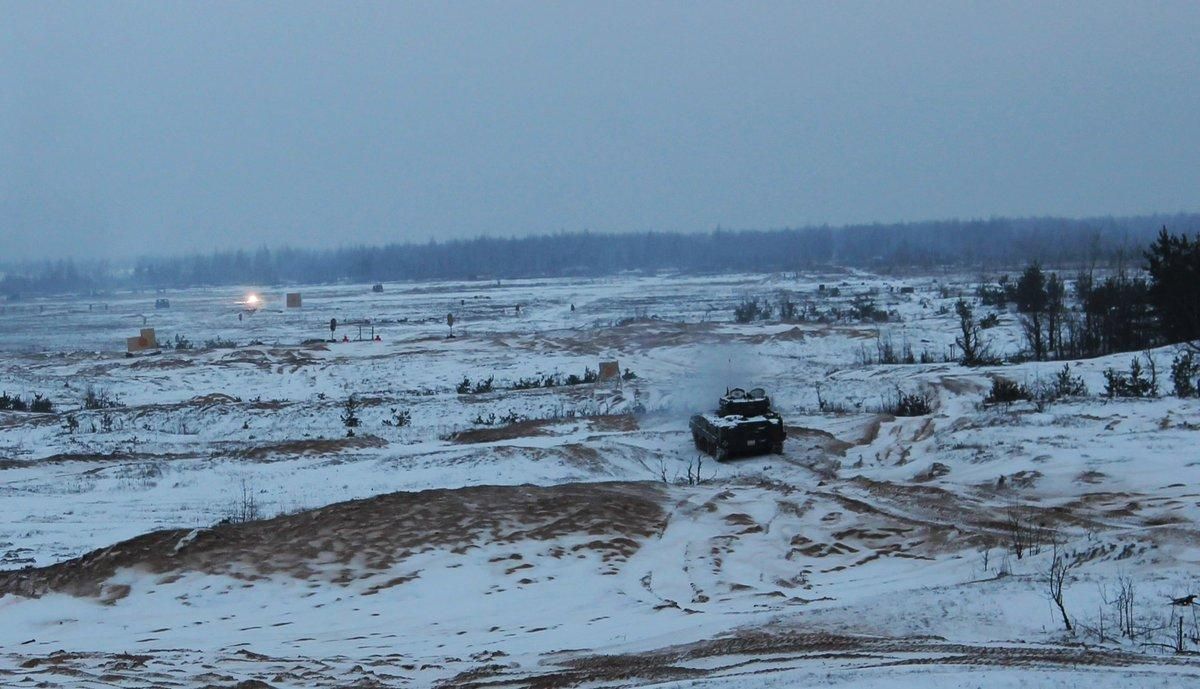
{"x":218,"y":527}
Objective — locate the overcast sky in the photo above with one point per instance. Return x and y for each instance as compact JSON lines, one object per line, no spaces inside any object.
{"x":155,"y":127}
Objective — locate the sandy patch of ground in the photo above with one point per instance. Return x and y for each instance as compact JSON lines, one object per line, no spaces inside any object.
{"x":375,"y":534}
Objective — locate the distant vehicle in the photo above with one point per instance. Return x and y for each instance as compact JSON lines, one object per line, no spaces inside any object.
{"x":161,"y":303}
{"x":744,"y":425}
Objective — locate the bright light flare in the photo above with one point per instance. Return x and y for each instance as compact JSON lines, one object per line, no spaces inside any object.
{"x":252,"y":300}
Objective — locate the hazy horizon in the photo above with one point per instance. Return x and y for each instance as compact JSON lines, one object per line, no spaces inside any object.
{"x":143,"y":128}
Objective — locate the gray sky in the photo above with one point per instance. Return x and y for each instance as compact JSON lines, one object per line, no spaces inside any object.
{"x":158,"y":127}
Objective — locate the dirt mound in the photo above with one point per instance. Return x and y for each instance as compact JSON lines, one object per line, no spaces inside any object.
{"x":795,"y":334}
{"x":872,"y":428}
{"x":521,"y":429}
{"x":933,"y":472}
{"x":324,"y":446}
{"x":962,"y":385}
{"x":818,"y":439}
{"x":113,"y":457}
{"x":353,"y":540}
{"x":212,"y":399}
{"x":623,"y":423}
{"x":161,"y":363}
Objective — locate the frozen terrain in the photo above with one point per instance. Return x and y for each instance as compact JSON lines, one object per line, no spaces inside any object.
{"x":220,"y":528}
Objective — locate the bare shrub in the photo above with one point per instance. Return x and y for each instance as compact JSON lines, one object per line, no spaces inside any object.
{"x":750,"y":310}
{"x":693,"y":476}
{"x":99,"y":398}
{"x":1025,"y":537}
{"x":1056,"y":577}
{"x":907,"y":404}
{"x":244,"y":507}
{"x":1124,"y":604}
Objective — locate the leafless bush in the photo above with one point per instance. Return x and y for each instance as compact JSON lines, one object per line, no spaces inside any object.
{"x":1146,"y":622}
{"x":99,"y":398}
{"x":908,"y":404}
{"x":1056,"y":577}
{"x":141,"y":475}
{"x":245,"y":507}
{"x":108,"y":422}
{"x":886,"y":352}
{"x":1024,"y":536}
{"x":693,"y":471}
{"x":692,"y":475}
{"x":750,"y":309}
{"x":985,"y":558}
{"x":1123,"y":606}
{"x":662,"y":470}
{"x":831,"y":407}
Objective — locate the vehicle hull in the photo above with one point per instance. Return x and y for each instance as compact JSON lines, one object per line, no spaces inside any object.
{"x":727,"y":437}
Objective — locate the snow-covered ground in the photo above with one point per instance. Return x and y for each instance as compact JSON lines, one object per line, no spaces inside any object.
{"x":555,"y":536}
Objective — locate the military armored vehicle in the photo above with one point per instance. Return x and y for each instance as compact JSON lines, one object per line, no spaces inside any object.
{"x":743,"y":425}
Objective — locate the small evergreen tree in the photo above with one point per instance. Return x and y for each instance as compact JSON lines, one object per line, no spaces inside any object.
{"x":968,"y":340}
{"x":1066,"y":385}
{"x":350,"y":415}
{"x":1174,"y":291}
{"x":1133,"y":384}
{"x":1185,"y":374}
{"x":1031,"y":301}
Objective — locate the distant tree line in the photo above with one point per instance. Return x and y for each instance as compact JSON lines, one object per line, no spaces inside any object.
{"x":923,"y":245}
{"x":1125,"y":311}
